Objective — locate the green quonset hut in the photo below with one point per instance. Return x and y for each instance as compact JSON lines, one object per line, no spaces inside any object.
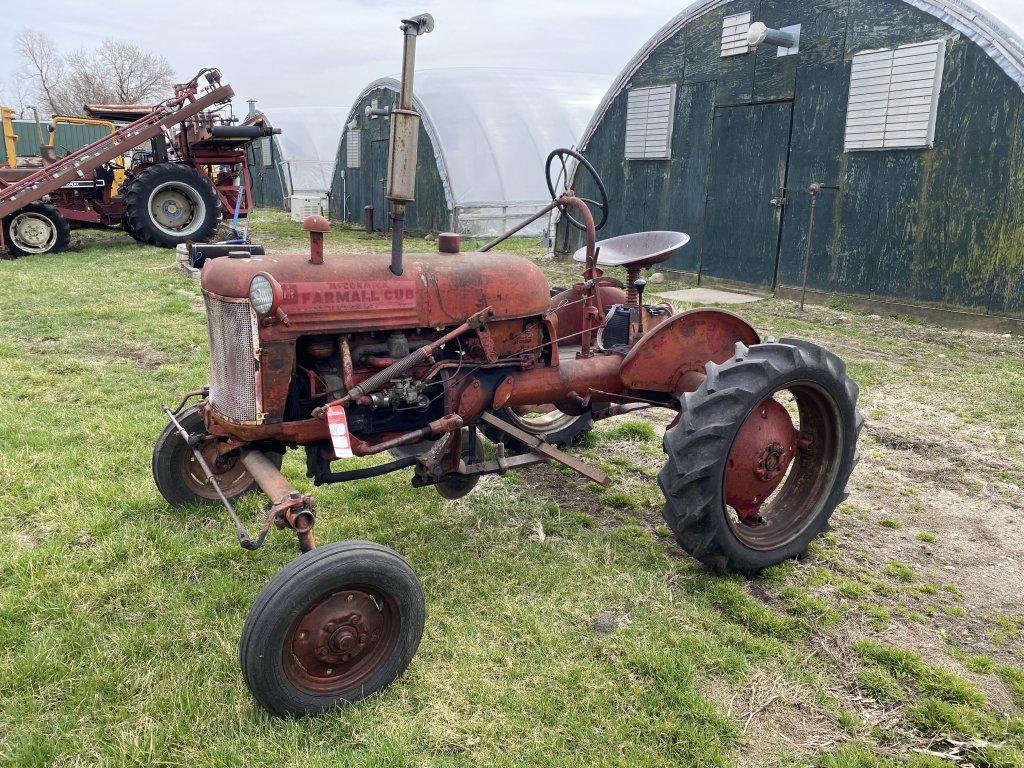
{"x":299,"y":161}
{"x":912,"y":108}
{"x":484,"y":137}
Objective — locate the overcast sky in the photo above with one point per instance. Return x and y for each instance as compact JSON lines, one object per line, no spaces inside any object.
{"x":323,"y":52}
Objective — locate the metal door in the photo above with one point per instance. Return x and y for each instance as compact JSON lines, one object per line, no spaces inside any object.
{"x":749,"y":161}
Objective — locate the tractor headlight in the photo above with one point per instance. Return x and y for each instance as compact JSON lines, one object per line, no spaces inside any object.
{"x":264,"y":294}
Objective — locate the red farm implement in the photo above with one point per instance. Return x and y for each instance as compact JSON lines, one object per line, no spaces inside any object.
{"x":192,"y":175}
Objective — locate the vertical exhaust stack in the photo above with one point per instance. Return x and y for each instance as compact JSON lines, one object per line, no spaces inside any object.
{"x":405,"y":133}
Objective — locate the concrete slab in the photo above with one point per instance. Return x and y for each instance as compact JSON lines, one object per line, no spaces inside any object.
{"x":709,"y":296}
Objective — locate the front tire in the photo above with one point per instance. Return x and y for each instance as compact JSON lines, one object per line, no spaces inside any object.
{"x":334,"y":626}
{"x":36,"y":229}
{"x":171,"y":203}
{"x":745,"y":487}
{"x":180,"y":478}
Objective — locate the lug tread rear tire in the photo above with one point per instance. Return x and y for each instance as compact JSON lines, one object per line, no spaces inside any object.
{"x":698,"y":448}
{"x":282,"y":600}
{"x":139,"y":219}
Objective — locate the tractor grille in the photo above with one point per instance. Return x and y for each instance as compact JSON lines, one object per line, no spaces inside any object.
{"x":232,"y":325}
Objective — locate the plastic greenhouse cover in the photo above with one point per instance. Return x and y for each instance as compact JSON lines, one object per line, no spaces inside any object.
{"x":308,"y":143}
{"x":493,"y":128}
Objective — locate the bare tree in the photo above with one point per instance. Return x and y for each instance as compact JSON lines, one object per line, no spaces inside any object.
{"x":116,"y":72}
{"x":43,"y":65}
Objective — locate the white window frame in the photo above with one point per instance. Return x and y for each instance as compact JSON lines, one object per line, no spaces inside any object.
{"x":734,"y":34}
{"x":650,"y":114}
{"x":894,"y":97}
{"x":354,"y":148}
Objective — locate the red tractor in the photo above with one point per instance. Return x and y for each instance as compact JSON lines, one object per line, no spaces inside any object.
{"x":188,"y":173}
{"x":427,"y":355}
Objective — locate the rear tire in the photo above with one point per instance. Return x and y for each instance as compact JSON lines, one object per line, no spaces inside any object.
{"x":179,"y":477}
{"x":557,"y":427}
{"x":334,"y":626}
{"x":171,"y":203}
{"x":700,"y":447}
{"x":36,"y":229}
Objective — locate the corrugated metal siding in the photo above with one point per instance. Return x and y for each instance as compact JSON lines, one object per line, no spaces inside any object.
{"x":939,"y":227}
{"x":71,"y":138}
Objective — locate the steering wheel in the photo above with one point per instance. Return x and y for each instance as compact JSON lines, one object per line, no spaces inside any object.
{"x":601,"y":205}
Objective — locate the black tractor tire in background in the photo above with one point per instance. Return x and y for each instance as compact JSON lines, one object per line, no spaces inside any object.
{"x":171,"y":203}
{"x":334,"y":626}
{"x":178,"y":476}
{"x":125,"y":224}
{"x":564,"y":431}
{"x":36,"y":229}
{"x":700,"y":444}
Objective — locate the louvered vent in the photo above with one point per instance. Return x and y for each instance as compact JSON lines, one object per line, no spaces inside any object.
{"x":894,"y":97}
{"x":266,"y":151}
{"x":649,"y":115}
{"x":354,"y":147}
{"x":734,"y":34}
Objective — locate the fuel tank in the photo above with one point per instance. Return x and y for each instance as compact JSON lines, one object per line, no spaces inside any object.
{"x":358,"y":292}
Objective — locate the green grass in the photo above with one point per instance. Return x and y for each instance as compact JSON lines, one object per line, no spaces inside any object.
{"x":119,"y":617}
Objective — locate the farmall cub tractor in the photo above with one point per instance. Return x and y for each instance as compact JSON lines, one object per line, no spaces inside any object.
{"x":424,"y":356}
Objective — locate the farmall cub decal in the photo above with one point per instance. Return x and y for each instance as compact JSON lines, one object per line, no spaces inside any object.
{"x":349,"y":296}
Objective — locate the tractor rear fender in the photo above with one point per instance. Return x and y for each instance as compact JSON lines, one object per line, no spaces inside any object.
{"x":684,"y":343}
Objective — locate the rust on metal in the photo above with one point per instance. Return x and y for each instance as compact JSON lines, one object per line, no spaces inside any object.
{"x":684,"y":344}
{"x":760,"y":456}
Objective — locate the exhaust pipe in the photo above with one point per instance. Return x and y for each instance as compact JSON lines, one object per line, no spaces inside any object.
{"x":405,"y":134}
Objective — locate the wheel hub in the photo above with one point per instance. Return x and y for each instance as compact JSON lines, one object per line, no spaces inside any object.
{"x":761,"y":454}
{"x":339,"y":641}
{"x":32,"y":232}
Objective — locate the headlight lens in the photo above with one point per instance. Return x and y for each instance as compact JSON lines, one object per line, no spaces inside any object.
{"x":261,"y":295}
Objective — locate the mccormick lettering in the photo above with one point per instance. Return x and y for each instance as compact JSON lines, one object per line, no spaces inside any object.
{"x":349,"y":295}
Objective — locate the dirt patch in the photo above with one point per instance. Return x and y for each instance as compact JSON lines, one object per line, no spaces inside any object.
{"x":144,"y":356}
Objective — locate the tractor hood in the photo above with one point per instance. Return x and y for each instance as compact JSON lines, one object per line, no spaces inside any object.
{"x":357,"y":292}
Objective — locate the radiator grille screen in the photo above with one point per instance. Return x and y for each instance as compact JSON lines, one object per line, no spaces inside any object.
{"x":232,"y":362}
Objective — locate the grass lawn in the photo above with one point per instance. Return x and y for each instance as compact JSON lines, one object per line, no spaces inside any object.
{"x":564,"y":627}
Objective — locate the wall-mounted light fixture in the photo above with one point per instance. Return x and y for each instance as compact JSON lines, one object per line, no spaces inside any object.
{"x":373,"y":110}
{"x":787,"y":39}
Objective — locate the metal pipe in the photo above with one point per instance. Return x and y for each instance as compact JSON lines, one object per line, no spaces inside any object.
{"x":397,"y":236}
{"x":363,"y":473}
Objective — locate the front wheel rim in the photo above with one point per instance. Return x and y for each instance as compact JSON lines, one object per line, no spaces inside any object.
{"x":231,"y":474}
{"x":177,"y":209}
{"x":33,"y":233}
{"x":341,"y":639}
{"x":773,"y":490}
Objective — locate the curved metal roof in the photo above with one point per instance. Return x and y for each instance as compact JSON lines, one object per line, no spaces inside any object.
{"x":492,"y":129}
{"x":983,"y":25}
